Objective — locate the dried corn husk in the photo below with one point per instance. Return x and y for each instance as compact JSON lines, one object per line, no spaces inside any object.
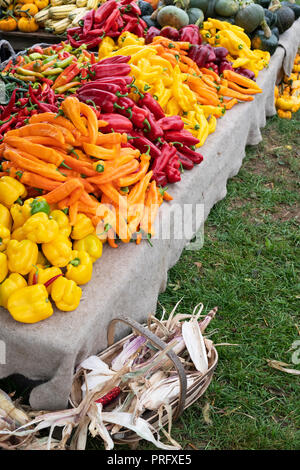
{"x":195,"y":345}
{"x":147,"y":378}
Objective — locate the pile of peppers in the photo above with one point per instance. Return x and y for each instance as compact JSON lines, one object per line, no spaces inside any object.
{"x":110,"y":20}
{"x":170,"y":146}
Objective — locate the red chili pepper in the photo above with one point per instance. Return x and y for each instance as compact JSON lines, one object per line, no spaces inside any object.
{"x":183,"y":136}
{"x":47,"y":283}
{"x":152,"y":105}
{"x":110,"y":396}
{"x":154,"y":131}
{"x":45,"y":108}
{"x":35,"y":276}
{"x":104,"y":11}
{"x":185,"y":161}
{"x":7,"y":125}
{"x":117,"y":59}
{"x":88,"y":21}
{"x":104,"y":99}
{"x":173,"y":174}
{"x":174,"y":123}
{"x":167,"y":152}
{"x":140,"y":142}
{"x":110,"y":70}
{"x":10,"y":105}
{"x":195,"y":157}
{"x":116,"y":122}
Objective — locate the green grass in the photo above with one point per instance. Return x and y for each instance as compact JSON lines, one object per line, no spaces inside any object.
{"x":249,"y":270}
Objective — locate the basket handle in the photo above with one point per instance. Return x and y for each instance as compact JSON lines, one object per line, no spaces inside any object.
{"x":159,"y":344}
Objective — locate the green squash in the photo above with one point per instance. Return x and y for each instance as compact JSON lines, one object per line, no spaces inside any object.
{"x":172,"y":16}
{"x":250,"y":17}
{"x":201,"y":4}
{"x":196,"y":16}
{"x":259,"y":41}
{"x":285,"y":18}
{"x":226,"y":7}
{"x":223,"y":18}
{"x":263,"y":3}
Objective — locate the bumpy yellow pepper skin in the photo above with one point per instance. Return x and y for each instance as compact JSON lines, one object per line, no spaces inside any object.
{"x":11,"y":284}
{"x":18,"y":234}
{"x":41,"y":275}
{"x":21,"y":256}
{"x":5,"y":217}
{"x":106,"y":46}
{"x":20,"y":213}
{"x":3,"y":266}
{"x":59,"y":251}
{"x":80,"y":268}
{"x":66,"y":294}
{"x":41,"y":259}
{"x":62,"y":220}
{"x":4,"y":237}
{"x":40,"y":229}
{"x":30,"y":304}
{"x":10,"y":190}
{"x":82,"y":227}
{"x":91,"y":244}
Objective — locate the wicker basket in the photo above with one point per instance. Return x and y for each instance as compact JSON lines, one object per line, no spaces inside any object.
{"x":187,"y":395}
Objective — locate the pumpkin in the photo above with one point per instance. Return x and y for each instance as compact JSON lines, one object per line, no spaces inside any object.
{"x":27,"y":25}
{"x":172,"y":16}
{"x":226,"y":7}
{"x":5,"y":3}
{"x":41,"y":3}
{"x":260,"y":41}
{"x":29,"y":9}
{"x":285,"y":18}
{"x":150,"y":22}
{"x":8,"y":24}
{"x":196,"y":16}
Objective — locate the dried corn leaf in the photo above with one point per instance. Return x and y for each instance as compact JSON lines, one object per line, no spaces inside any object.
{"x":195,"y":345}
{"x":282,"y":367}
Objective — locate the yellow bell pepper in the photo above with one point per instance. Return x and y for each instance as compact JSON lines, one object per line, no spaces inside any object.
{"x":20,"y":213}
{"x":3,"y":266}
{"x":30,"y":304}
{"x":58,"y":251}
{"x":5,"y":217}
{"x":63,"y":221}
{"x":80,"y":268}
{"x":130,"y":39}
{"x":41,"y":259}
{"x":10,"y":190}
{"x":41,"y":275}
{"x":106,"y":46}
{"x":21,"y":256}
{"x":82,"y":227}
{"x":40,"y":229}
{"x":18,"y":234}
{"x":12,"y":283}
{"x":91,"y":244}
{"x":4,"y":237}
{"x":66,"y":294}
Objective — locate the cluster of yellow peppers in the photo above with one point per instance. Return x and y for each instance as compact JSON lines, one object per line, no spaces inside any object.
{"x":41,"y":255}
{"x":223,"y":34}
{"x":287,"y":94}
{"x":155,"y":75}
